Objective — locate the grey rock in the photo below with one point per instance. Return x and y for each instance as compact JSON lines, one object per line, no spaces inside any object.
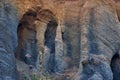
{"x":100,"y":36}
{"x":8,"y":40}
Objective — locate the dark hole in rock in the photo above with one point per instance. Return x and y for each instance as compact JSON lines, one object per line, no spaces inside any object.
{"x":27,"y":42}
{"x":31,"y":67}
{"x":115,"y":66}
{"x":50,"y":35}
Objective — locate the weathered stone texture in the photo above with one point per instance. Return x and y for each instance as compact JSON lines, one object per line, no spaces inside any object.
{"x":70,"y":39}
{"x":8,"y":40}
{"x":100,"y":28}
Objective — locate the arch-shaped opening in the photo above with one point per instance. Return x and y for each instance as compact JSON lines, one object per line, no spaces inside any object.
{"x":115,"y":66}
{"x":27,"y":47}
{"x":27,"y":41}
{"x":50,"y":35}
{"x":49,"y":39}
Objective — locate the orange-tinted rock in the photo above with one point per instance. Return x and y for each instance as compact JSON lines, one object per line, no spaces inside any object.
{"x":65,"y":33}
{"x":117,"y":5}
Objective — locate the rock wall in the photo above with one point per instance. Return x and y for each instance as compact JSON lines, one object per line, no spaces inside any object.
{"x":72,"y":39}
{"x":98,"y":20}
{"x":8,"y":40}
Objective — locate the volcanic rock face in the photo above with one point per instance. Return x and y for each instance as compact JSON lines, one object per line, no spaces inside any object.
{"x":70,"y":39}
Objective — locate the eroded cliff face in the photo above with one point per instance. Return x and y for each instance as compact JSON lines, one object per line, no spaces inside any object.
{"x":65,"y":39}
{"x":8,"y":40}
{"x":98,"y":20}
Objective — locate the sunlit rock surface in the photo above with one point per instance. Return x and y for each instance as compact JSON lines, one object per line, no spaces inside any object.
{"x":62,"y":39}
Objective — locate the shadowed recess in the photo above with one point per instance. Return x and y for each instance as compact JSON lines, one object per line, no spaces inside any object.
{"x":115,"y":66}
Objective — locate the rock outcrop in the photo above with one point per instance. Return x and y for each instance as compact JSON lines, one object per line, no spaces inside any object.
{"x":8,"y":40}
{"x":100,"y":40}
{"x":65,"y":39}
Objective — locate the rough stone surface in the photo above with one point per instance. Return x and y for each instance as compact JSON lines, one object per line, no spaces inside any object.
{"x":8,"y":40}
{"x":97,"y":22}
{"x":66,"y":39}
{"x":117,"y":5}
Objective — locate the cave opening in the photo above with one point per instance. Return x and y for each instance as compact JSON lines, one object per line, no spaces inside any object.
{"x":27,"y":50}
{"x":50,"y":35}
{"x":48,"y":17}
{"x":27,"y":42}
{"x":115,"y":66}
